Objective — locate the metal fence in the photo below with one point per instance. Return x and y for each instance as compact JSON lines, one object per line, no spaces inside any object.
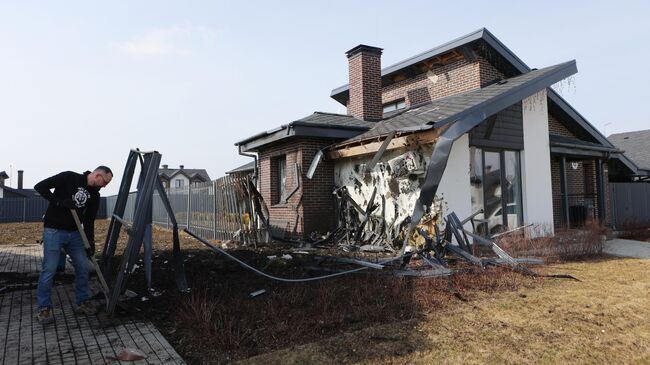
{"x":218,"y":209}
{"x":32,"y":209}
{"x":582,"y":208}
{"x":22,"y":209}
{"x":630,"y":204}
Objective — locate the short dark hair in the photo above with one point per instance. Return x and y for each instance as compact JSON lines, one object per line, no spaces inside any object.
{"x":106,"y":169}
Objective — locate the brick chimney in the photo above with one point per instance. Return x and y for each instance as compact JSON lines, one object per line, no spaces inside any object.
{"x":20,"y":179}
{"x":165,"y":166}
{"x":365,"y":83}
{"x":182,"y":167}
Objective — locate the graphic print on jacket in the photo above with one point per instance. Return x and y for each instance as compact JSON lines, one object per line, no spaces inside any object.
{"x":81,"y":197}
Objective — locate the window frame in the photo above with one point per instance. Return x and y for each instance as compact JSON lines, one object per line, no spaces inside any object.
{"x":279,"y":180}
{"x":395,"y":105}
{"x":505,"y":193}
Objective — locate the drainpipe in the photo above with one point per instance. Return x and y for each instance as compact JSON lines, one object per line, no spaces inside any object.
{"x":254,"y":166}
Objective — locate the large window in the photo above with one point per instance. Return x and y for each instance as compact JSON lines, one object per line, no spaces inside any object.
{"x":495,"y":178}
{"x":179,"y":183}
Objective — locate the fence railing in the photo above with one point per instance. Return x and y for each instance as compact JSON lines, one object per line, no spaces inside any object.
{"x":219,"y":209}
{"x":582,"y":208}
{"x":630,"y":205}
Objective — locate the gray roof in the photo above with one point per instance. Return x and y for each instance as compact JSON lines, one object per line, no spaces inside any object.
{"x":334,"y":120}
{"x":636,"y":146}
{"x":439,"y":112}
{"x":318,"y":124}
{"x":243,"y":168}
{"x":202,"y":174}
{"x":3,"y":175}
{"x":27,"y":193}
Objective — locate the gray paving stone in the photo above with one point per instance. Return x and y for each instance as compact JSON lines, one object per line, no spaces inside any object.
{"x":72,"y":338}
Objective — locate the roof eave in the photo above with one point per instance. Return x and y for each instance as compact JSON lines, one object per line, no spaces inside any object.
{"x":300,"y":129}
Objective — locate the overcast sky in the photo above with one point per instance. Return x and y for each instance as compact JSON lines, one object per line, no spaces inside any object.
{"x":82,"y":82}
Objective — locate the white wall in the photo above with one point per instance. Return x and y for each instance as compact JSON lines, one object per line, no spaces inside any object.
{"x":536,"y":163}
{"x":455,"y":185}
{"x":172,"y":182}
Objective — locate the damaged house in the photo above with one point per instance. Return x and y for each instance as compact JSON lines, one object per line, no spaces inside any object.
{"x":464,"y":127}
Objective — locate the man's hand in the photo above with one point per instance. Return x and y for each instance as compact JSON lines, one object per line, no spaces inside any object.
{"x":66,"y":203}
{"x":90,"y":251}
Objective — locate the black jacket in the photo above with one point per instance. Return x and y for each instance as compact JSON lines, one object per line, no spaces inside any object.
{"x":70,"y":185}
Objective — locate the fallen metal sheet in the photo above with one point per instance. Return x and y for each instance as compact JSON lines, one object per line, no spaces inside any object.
{"x":371,"y":265}
{"x":497,"y":250}
{"x":381,"y":151}
{"x":423,"y":273}
{"x":521,"y":261}
{"x":314,"y":164}
{"x":372,"y":248}
{"x":464,"y":254}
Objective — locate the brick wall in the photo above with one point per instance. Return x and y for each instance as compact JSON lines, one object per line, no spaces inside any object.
{"x":557,"y":128}
{"x":284,"y":218}
{"x":454,"y":78}
{"x":365,"y":85}
{"x":581,"y":181}
{"x":318,"y":201}
{"x":488,"y":73}
{"x":311,"y":208}
{"x":608,"y":202}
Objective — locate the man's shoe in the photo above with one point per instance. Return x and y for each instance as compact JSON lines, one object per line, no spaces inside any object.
{"x":45,"y":316}
{"x":86,"y":308}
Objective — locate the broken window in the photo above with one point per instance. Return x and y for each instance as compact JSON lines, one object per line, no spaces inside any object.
{"x":495,"y":178}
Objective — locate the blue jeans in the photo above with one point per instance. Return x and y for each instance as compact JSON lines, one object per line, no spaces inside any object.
{"x":70,"y":241}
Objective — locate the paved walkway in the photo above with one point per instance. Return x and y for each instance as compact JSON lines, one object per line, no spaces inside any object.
{"x":627,"y":248}
{"x":72,"y":338}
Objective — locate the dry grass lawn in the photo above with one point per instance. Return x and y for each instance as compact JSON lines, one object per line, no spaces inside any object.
{"x":605,"y":318}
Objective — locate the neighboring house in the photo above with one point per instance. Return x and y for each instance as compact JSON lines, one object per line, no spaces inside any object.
{"x":181,"y":177}
{"x":243,"y":170}
{"x":19,"y":192}
{"x":3,"y":177}
{"x":636,"y":146}
{"x":522,"y":153}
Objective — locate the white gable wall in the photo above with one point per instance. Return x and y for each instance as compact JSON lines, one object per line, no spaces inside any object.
{"x":536,"y":163}
{"x":455,"y":185}
{"x":172,"y":181}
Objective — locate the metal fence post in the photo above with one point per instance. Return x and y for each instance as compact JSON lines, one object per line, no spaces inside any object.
{"x":214,"y":209}
{"x":189,"y":195}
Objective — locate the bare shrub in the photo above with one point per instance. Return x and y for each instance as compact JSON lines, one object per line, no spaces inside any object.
{"x":565,"y":244}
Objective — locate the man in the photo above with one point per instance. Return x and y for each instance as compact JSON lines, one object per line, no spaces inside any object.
{"x":71,"y":191}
